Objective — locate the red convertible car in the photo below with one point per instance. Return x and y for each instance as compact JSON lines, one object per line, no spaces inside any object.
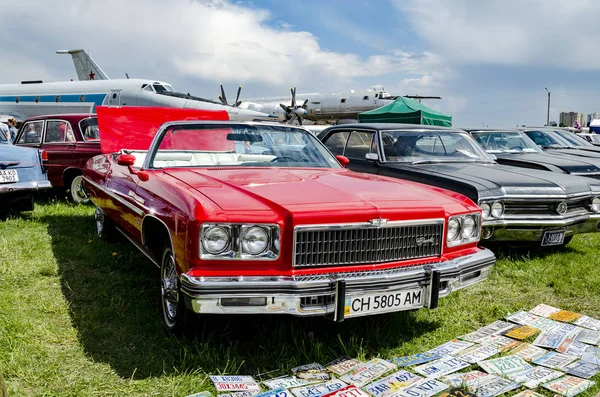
{"x":70,"y":140}
{"x":261,"y":218}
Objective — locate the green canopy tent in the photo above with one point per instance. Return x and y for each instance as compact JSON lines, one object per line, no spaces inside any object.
{"x":406,"y":110}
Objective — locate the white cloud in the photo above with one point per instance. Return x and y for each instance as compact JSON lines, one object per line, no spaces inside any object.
{"x":547,"y":33}
{"x":206,"y":40}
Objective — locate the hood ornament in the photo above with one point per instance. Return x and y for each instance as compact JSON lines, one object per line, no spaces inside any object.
{"x":378,"y":222}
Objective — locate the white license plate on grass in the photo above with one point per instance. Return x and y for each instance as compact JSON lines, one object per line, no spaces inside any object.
{"x":9,"y":176}
{"x":381,"y":302}
{"x":555,"y":237}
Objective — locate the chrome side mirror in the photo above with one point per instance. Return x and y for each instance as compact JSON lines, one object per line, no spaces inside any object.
{"x":372,"y":157}
{"x":493,"y":156}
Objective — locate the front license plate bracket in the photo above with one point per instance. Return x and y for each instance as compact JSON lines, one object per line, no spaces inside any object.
{"x":434,"y":290}
{"x":553,"y":237}
{"x":340,"y":299}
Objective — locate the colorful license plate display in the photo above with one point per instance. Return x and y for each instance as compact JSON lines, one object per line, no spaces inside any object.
{"x":444,"y":366}
{"x":568,"y":386}
{"x":371,"y":370}
{"x":392,"y":384}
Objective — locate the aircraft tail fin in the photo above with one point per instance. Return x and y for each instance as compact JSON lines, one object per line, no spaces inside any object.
{"x":85,"y":66}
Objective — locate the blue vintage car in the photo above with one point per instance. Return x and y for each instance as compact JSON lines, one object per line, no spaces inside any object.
{"x":22,"y":175}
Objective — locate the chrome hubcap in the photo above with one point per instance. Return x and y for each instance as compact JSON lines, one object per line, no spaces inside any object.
{"x":99,"y":222}
{"x":79,"y":193}
{"x":169,"y":291}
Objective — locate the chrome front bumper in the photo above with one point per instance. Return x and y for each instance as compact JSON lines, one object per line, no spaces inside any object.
{"x":324,"y":294}
{"x":24,"y":186}
{"x":533,"y":229}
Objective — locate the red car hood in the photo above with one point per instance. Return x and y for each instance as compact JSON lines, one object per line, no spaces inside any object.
{"x":300,"y":190}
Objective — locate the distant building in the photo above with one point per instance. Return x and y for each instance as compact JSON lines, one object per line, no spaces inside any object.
{"x":592,"y":116}
{"x":567,"y":119}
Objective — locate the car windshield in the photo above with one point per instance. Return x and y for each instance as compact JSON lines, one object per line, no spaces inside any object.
{"x":548,"y":139}
{"x":594,"y":138}
{"x":431,"y":146}
{"x":239,"y":145}
{"x":89,"y":129}
{"x":505,"y":142}
{"x":573,"y":139}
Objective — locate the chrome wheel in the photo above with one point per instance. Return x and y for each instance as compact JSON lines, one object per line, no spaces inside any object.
{"x":169,"y":289}
{"x":77,"y":192}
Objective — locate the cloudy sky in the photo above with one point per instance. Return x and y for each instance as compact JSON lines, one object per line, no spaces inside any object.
{"x":488,"y":60}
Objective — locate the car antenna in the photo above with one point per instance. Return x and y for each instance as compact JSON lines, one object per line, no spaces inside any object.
{"x":127,"y":75}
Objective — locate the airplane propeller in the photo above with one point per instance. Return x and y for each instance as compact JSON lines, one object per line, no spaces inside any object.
{"x":223,"y":97}
{"x":294,"y":112}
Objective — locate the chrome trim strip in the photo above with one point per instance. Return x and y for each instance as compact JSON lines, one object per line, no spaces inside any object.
{"x":333,"y":226}
{"x":24,"y":186}
{"x":542,"y":222}
{"x":526,"y":197}
{"x":115,"y":195}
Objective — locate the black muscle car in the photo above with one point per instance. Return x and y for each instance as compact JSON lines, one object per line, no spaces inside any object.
{"x":518,"y":205}
{"x":513,"y":147}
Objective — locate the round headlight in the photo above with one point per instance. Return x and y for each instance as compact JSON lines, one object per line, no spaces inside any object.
{"x":215,"y":240}
{"x":497,"y":209}
{"x":255,"y":240}
{"x":453,"y":229}
{"x":486,"y":210}
{"x":595,"y":205}
{"x":469,"y":227}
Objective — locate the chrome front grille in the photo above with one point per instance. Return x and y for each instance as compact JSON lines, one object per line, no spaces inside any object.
{"x":574,"y":206}
{"x":355,"y":244}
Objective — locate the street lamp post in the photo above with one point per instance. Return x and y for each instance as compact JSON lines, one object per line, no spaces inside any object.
{"x":548,"y":114}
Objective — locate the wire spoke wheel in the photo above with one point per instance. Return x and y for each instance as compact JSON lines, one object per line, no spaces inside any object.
{"x":169,"y":289}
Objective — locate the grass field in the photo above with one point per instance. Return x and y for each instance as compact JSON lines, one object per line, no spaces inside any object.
{"x":81,"y":317}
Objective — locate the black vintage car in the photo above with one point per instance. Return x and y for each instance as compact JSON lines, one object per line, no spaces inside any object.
{"x":561,"y":142}
{"x":517,"y":205}
{"x":515,"y":148}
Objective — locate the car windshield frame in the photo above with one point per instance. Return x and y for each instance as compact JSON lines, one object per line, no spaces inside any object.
{"x":573,"y":138}
{"x":522,"y":135}
{"x":593,"y":138}
{"x":482,"y":156}
{"x":82,"y":130}
{"x":561,"y":143}
{"x":253,"y":146}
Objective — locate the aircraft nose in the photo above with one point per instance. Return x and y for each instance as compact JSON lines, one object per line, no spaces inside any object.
{"x":238,"y":114}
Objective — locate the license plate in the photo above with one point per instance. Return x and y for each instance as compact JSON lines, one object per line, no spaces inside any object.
{"x":556,"y":237}
{"x":356,"y":305}
{"x":9,"y":176}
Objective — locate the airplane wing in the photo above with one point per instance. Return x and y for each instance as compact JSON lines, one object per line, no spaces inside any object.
{"x":85,"y":66}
